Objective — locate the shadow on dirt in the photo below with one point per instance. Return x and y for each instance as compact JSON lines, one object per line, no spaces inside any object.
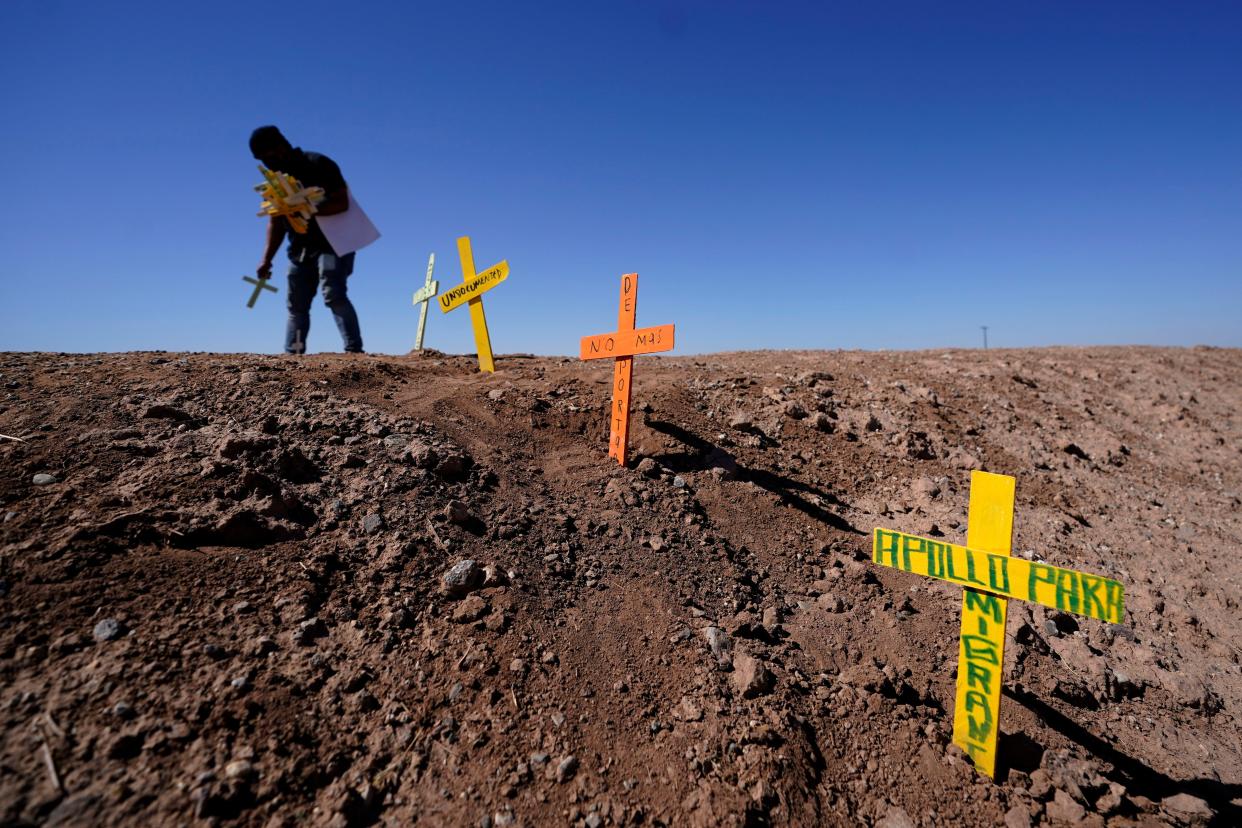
{"x":706,"y":454}
{"x":1132,"y":773}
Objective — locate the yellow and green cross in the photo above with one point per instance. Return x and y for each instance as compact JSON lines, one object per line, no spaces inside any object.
{"x":991,"y":578}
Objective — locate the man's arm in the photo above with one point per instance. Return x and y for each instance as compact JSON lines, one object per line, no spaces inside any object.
{"x":275,"y":235}
{"x":336,"y":191}
{"x":334,"y":202}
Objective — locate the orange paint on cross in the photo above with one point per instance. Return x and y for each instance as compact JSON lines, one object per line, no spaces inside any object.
{"x":623,"y":345}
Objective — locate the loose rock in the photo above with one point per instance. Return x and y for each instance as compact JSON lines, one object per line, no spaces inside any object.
{"x":462,"y":579}
{"x":107,"y":630}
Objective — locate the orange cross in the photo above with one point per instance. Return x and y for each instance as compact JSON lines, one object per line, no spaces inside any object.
{"x":624,"y":345}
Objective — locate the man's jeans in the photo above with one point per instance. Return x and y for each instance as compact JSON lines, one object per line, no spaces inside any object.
{"x":327,"y":272}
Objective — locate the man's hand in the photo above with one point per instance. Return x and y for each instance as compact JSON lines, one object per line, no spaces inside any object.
{"x":264,"y":270}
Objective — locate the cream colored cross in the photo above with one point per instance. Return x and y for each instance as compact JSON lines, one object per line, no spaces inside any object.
{"x":260,"y":285}
{"x":422,"y":296}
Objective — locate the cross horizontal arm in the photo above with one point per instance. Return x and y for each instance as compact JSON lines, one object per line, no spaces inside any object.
{"x":426,"y":292}
{"x":1064,"y":589}
{"x":627,"y":343}
{"x":259,"y":283}
{"x":472,"y":289}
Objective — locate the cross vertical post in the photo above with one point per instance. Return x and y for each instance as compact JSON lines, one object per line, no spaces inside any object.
{"x":622,"y":346}
{"x":623,"y":372}
{"x":423,"y":295}
{"x":470,"y":291}
{"x":478,"y":319}
{"x":981,"y":645}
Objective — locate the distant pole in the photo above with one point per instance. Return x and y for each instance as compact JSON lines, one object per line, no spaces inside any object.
{"x":985,"y":336}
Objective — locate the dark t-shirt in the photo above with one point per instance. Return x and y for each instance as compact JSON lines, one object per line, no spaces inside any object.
{"x":312,"y":169}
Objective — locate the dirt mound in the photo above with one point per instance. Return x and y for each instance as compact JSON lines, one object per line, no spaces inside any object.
{"x":344,"y":591}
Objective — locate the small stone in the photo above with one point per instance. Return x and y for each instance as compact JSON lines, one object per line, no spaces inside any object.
{"x":462,"y":579}
{"x":235,"y":445}
{"x":453,"y":467}
{"x":470,"y":610}
{"x":1063,"y":808}
{"x":262,"y":645}
{"x":496,"y":394}
{"x":517,"y":665}
{"x":108,"y":629}
{"x":497,"y":621}
{"x":688,"y":711}
{"x":720,"y":644}
{"x":243,"y":608}
{"x":742,"y":422}
{"x":795,"y":410}
{"x":122,"y":710}
{"x":830,"y":602}
{"x":925,"y":488}
{"x":821,"y":422}
{"x":372,"y":523}
{"x":1187,"y":809}
{"x":1018,"y":817}
{"x":682,"y":634}
{"x":239,"y":769}
{"x":422,"y":455}
{"x":895,"y":818}
{"x":648,"y":467}
{"x":1112,"y":799}
{"x":566,"y":768}
{"x":679,"y":482}
{"x":309,"y":630}
{"x":1041,"y":784}
{"x":751,"y":677}
{"x":457,"y":512}
{"x":241,"y":683}
{"x":494,"y":576}
{"x":44,"y":479}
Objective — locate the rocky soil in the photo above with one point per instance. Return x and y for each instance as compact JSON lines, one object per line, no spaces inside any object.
{"x":334,"y":590}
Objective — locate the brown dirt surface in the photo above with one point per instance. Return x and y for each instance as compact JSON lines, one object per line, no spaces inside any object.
{"x":228,"y":603}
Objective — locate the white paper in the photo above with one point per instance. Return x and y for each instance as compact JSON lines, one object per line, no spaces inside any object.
{"x":348,"y":231}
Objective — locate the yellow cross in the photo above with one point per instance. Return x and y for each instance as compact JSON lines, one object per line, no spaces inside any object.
{"x":470,"y":291}
{"x":991,"y":577}
{"x":284,"y":196}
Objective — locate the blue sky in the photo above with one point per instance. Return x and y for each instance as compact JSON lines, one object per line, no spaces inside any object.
{"x":781,"y":175}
